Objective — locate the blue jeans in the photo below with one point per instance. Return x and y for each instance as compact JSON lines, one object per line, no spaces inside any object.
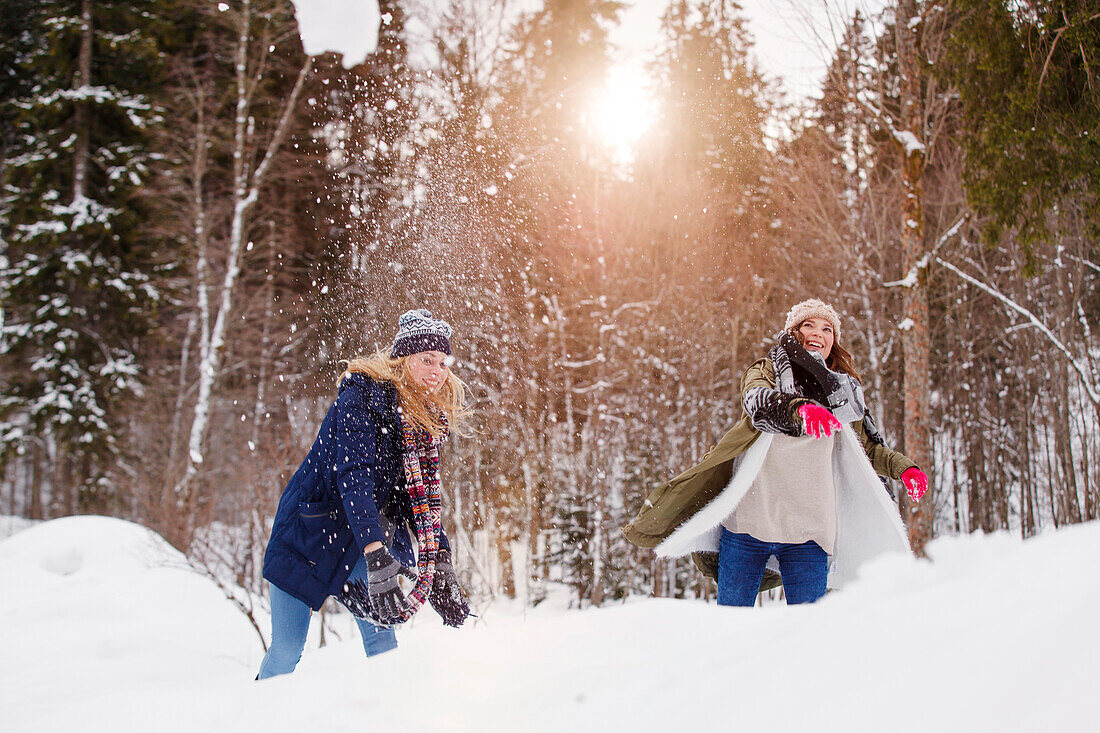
{"x":290,"y":623}
{"x":741,"y":561}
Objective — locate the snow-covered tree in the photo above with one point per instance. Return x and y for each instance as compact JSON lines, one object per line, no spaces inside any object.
{"x":82,"y":282}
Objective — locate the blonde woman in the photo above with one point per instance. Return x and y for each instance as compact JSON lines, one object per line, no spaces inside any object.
{"x":370,"y":483}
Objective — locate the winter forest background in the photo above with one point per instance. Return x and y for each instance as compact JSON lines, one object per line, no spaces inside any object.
{"x":199,"y":222}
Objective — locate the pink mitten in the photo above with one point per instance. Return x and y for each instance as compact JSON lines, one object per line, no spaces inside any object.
{"x":916,"y":483}
{"x":818,"y":422}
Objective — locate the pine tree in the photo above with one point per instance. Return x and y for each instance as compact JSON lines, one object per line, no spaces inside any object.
{"x":712,"y":97}
{"x":1028,"y":76}
{"x":16,"y":80}
{"x":712,"y":111}
{"x":81,"y":287}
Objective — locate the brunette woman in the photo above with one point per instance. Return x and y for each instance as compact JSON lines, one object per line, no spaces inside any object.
{"x":794,"y":480}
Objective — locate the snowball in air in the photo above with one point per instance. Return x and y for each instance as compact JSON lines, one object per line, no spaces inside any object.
{"x":347,"y":27}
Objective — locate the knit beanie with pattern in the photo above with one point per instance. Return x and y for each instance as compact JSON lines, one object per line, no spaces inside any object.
{"x":417,"y":331}
{"x":812,"y":308}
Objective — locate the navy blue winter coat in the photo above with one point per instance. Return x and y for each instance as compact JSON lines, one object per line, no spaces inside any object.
{"x":330,"y":509}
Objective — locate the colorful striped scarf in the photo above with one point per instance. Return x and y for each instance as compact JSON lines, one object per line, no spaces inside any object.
{"x":421,"y":455}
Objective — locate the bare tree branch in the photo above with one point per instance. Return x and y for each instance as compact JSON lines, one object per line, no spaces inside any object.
{"x":910,"y":278}
{"x":1086,"y":381}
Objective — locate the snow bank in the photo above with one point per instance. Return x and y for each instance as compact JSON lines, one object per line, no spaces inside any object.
{"x":9,"y":525}
{"x":993,"y":634}
{"x":98,"y":616}
{"x":348,"y":27}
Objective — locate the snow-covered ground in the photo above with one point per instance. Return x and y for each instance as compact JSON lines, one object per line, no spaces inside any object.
{"x":103,"y":628}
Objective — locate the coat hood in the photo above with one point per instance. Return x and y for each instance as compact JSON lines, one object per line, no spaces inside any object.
{"x":381,"y":397}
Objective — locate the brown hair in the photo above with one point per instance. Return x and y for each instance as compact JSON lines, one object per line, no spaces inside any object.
{"x":839,"y":359}
{"x":450,"y":398}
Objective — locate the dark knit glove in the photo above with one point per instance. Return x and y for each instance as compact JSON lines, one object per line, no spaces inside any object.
{"x":772,"y":411}
{"x":355,"y":595}
{"x":387,"y":602}
{"x":446,"y":595}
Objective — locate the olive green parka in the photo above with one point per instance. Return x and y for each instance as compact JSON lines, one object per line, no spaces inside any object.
{"x":671,"y":505}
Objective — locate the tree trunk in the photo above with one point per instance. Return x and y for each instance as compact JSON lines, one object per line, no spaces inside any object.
{"x":1027,"y":496}
{"x":34,"y":480}
{"x":83,"y":79}
{"x":596,"y":550}
{"x":259,"y":410}
{"x":1063,"y":437}
{"x":181,"y":392}
{"x":246,"y":190}
{"x":199,"y":322}
{"x":916,"y":335}
{"x":956,"y":489}
{"x":529,"y":532}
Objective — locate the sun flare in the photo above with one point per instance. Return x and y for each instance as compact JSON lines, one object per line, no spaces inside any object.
{"x":622,"y":109}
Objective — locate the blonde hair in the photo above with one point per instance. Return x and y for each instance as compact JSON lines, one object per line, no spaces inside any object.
{"x":415,"y":403}
{"x":840,"y":360}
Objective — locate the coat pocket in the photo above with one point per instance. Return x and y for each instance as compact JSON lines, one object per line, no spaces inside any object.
{"x":316,"y":531}
{"x":318,"y":509}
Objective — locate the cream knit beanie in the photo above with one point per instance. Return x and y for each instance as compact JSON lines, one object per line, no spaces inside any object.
{"x":813,"y":308}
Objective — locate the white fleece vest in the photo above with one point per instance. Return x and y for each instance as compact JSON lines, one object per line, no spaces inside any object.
{"x":867,"y":520}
